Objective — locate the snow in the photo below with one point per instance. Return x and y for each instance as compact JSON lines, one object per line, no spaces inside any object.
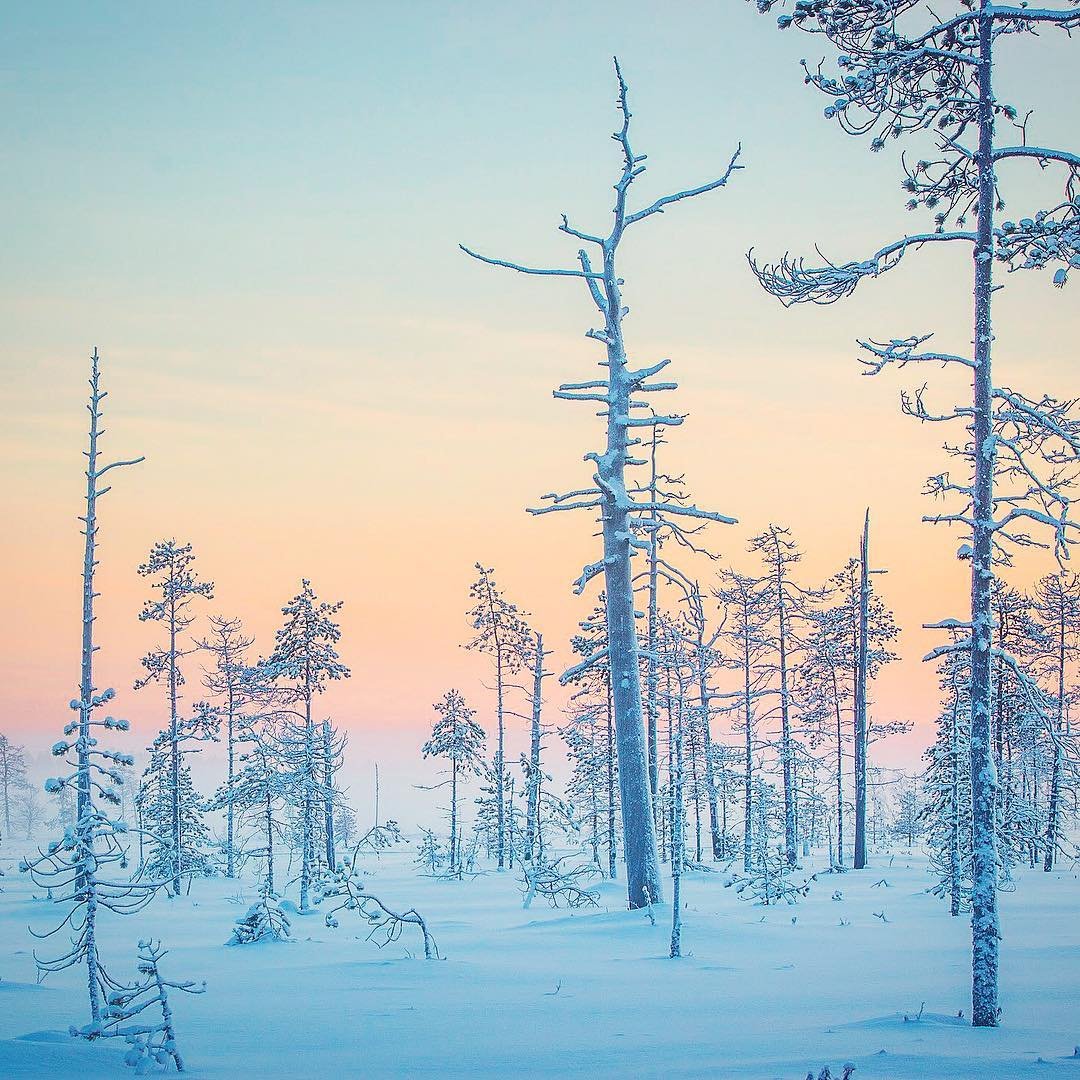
{"x":760,"y":994}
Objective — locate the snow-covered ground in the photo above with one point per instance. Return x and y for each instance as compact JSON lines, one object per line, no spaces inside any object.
{"x":763,"y":994}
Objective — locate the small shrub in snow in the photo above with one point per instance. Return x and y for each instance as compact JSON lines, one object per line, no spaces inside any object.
{"x":560,"y":884}
{"x":264,"y":921}
{"x":153,"y":1041}
{"x":770,"y":881}
{"x":345,"y":888}
{"x":429,"y":855}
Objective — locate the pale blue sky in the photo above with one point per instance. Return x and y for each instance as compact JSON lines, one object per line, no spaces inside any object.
{"x":253,"y":209}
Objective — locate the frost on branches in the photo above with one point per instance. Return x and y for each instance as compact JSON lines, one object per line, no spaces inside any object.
{"x":620,"y":392}
{"x":84,"y":869}
{"x":152,"y":1038}
{"x":904,"y":71}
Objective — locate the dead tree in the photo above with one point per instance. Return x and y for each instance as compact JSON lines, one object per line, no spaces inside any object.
{"x":620,"y":396}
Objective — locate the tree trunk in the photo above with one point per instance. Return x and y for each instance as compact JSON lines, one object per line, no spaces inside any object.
{"x":83,"y":823}
{"x":985,"y":931}
{"x":328,"y":793}
{"x":174,"y":739}
{"x":748,"y":820}
{"x":532,"y":824}
{"x":1054,"y":801}
{"x":643,"y":880}
{"x":785,"y":720}
{"x":861,"y":674}
{"x":453,"y":814}
{"x":677,"y":854}
{"x":612,"y":870}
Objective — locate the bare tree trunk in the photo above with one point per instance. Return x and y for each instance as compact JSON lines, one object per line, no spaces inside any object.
{"x":532,"y":824}
{"x":86,"y":685}
{"x":652,"y":672}
{"x":308,"y":809}
{"x":785,"y":720}
{"x":268,"y":811}
{"x":748,"y":762}
{"x":174,"y":739}
{"x":704,"y":696}
{"x":612,"y":869}
{"x":678,"y":843}
{"x":985,"y":931}
{"x":328,"y":793}
{"x":453,"y":813}
{"x":859,"y":860}
{"x":230,"y":829}
{"x":1053,"y":803}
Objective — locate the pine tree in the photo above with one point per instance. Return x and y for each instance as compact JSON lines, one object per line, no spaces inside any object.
{"x":77,"y":868}
{"x":458,"y":738}
{"x":789,"y":604}
{"x":228,"y":645}
{"x":745,"y":602}
{"x":260,"y":785}
{"x":501,"y":633}
{"x":172,"y":812}
{"x":263,"y":921}
{"x":171,"y":565}
{"x":304,"y":662}
{"x":901,"y":76}
{"x":590,"y":735}
{"x":12,"y":775}
{"x":1056,"y":604}
{"x":152,"y":1042}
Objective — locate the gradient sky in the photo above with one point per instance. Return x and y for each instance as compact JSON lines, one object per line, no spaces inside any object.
{"x":253,"y":210}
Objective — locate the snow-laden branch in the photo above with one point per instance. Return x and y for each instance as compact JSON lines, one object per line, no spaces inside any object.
{"x":542,"y":272}
{"x":791,"y":281}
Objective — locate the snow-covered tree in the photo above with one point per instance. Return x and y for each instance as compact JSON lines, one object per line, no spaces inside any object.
{"x":80,"y":868}
{"x":833,"y":707}
{"x":260,"y":784}
{"x":907,"y":823}
{"x":1056,"y":604}
{"x":789,"y":604}
{"x":228,"y":645}
{"x":590,"y":737}
{"x":771,"y":878}
{"x":304,"y":662}
{"x":345,"y":889}
{"x":744,"y":601}
{"x":263,"y":921}
{"x":903,"y":76}
{"x":29,"y":810}
{"x":153,"y":1042}
{"x":171,"y":811}
{"x":620,"y":392}
{"x":170,"y":567}
{"x":531,"y":765}
{"x":458,"y":738}
{"x":12,"y":776}
{"x":429,"y":853}
{"x":331,"y":757}
{"x":345,"y":832}
{"x":500,"y":631}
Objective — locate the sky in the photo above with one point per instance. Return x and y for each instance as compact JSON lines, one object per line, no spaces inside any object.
{"x":253,"y":211}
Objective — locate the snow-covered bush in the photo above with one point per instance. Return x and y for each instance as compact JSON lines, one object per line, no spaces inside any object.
{"x":429,"y":853}
{"x":153,"y":1042}
{"x":770,"y":880}
{"x":345,"y":889}
{"x":264,"y":921}
{"x":828,"y":1074}
{"x":560,"y":883}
